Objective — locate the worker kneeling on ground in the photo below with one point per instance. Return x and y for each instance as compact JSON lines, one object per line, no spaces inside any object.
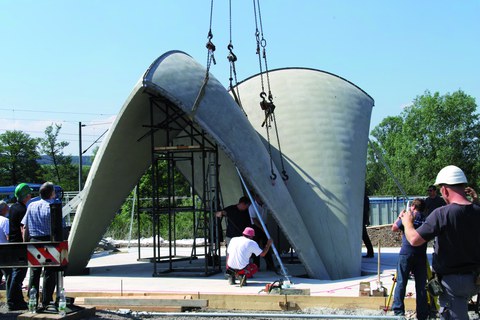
{"x":239,"y":252}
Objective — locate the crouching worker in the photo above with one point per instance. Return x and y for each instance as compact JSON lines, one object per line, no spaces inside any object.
{"x":239,"y":252}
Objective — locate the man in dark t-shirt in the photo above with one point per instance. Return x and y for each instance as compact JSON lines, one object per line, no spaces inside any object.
{"x":23,"y":193}
{"x":238,"y":218}
{"x":433,"y":201}
{"x":411,"y":259}
{"x":456,"y":259}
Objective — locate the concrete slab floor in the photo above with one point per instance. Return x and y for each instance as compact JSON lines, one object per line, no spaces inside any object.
{"x":121,"y":272}
{"x":117,"y":274}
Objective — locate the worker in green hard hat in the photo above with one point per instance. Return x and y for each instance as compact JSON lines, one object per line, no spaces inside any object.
{"x":22,"y":191}
{"x":15,"y":299}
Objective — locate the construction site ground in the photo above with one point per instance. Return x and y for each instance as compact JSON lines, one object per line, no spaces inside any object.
{"x":120,"y":286}
{"x":118,"y":281}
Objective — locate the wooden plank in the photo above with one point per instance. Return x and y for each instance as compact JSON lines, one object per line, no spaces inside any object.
{"x":266,"y":302}
{"x":176,"y":148}
{"x":150,"y":301}
{"x":83,"y":294}
{"x":144,"y":308}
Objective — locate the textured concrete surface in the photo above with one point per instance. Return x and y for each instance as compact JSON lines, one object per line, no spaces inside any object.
{"x":123,"y":157}
{"x":323,"y":122}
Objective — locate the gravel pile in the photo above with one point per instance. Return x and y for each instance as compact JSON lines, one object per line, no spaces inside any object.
{"x":385,"y":236}
{"x":125,"y":314}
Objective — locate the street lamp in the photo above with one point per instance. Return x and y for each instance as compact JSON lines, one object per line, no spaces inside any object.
{"x":80,"y":153}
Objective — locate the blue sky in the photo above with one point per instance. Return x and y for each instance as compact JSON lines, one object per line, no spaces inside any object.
{"x":67,"y":61}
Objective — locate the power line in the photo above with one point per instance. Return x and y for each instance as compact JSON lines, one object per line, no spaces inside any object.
{"x":93,"y":123}
{"x":52,"y":111}
{"x":60,"y":134}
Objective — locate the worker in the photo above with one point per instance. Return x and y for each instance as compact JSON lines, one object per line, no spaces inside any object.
{"x":238,"y":256}
{"x":456,"y":259}
{"x":260,"y":234}
{"x":37,"y":223}
{"x":366,"y":222}
{"x":433,"y":201}
{"x":4,"y":232}
{"x":237,"y":218}
{"x":23,"y":194}
{"x":411,"y":260}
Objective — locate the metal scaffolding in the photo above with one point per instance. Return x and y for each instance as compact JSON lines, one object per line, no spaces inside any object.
{"x":185,"y":144}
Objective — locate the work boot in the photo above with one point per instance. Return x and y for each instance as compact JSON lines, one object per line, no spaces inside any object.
{"x":231,"y":279}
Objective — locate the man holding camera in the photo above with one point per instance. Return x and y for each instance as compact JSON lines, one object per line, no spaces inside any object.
{"x":456,"y":259}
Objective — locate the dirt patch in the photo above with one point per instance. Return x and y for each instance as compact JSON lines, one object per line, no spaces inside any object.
{"x":385,"y":236}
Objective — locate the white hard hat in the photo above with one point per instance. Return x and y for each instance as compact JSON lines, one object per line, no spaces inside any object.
{"x":451,"y":175}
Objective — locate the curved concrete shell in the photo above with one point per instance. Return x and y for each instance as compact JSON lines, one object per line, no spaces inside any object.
{"x":323,"y":123}
{"x":124,"y":156}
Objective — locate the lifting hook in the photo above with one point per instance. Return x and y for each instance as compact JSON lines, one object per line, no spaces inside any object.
{"x":231,"y":56}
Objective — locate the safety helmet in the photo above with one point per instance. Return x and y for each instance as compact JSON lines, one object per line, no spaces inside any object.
{"x":249,"y":232}
{"x":22,"y":190}
{"x":451,"y":175}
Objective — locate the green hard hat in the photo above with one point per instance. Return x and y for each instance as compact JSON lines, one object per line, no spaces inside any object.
{"x":22,"y":190}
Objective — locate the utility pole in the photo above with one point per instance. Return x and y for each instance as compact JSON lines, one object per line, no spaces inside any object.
{"x":80,"y":158}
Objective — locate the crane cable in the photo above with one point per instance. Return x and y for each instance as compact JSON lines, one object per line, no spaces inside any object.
{"x":232,"y":58}
{"x":210,"y":58}
{"x":267,"y":106}
{"x":210,"y":46}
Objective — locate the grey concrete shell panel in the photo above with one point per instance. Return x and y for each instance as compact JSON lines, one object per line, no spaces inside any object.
{"x":323,"y":122}
{"x":223,"y":120}
{"x":124,"y":156}
{"x":230,"y":184}
{"x":117,"y":167}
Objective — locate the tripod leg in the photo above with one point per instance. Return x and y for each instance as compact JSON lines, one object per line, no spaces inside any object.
{"x":390,"y":295}
{"x":432,"y":300}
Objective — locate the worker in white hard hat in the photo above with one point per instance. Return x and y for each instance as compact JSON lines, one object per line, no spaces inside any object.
{"x":456,"y":259}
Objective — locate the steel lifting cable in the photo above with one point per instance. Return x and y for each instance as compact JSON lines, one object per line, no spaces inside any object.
{"x":210,"y":46}
{"x":284,"y":172}
{"x":267,"y":106}
{"x":232,"y":58}
{"x":210,"y":58}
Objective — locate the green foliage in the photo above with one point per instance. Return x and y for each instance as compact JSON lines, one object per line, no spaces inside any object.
{"x":94,"y":153}
{"x":435,"y":131}
{"x":60,"y":171}
{"x":18,"y":158}
{"x":181,"y":222}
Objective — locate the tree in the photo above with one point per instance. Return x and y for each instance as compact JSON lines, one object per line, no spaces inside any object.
{"x":18,"y":158}
{"x":433,"y":132}
{"x":94,"y":153}
{"x":61,"y":171}
{"x":183,"y":220}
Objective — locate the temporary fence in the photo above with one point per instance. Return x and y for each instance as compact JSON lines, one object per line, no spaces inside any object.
{"x":385,"y":210}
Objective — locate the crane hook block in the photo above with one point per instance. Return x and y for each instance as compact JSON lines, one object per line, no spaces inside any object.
{"x":268,"y":106}
{"x":232,"y":57}
{"x":210,"y":46}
